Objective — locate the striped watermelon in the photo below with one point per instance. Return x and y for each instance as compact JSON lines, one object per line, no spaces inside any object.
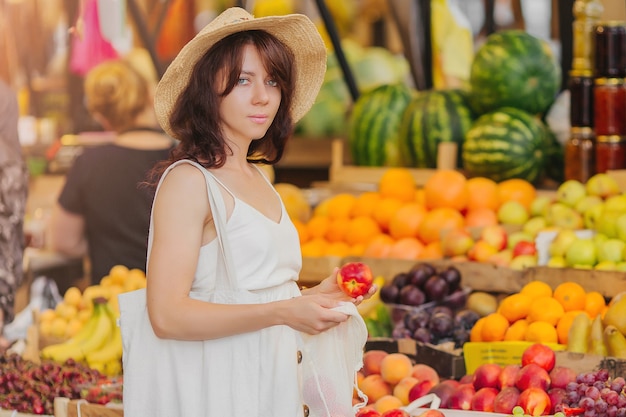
{"x":432,"y":117}
{"x":513,"y":68}
{"x":506,"y":143}
{"x":373,"y":137}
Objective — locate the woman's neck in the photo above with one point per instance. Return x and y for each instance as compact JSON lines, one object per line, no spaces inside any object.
{"x":143,"y":137}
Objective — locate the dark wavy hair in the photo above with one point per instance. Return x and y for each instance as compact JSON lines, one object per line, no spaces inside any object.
{"x":195,"y":119}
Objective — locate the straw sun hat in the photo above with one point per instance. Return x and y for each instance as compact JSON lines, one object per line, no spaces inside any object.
{"x":296,"y":31}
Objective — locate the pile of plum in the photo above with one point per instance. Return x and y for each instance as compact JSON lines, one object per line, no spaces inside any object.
{"x":429,"y":305}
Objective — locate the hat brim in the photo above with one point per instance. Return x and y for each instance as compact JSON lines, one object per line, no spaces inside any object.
{"x":296,"y":31}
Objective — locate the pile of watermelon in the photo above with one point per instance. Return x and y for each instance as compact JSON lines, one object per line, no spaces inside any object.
{"x":497,"y":122}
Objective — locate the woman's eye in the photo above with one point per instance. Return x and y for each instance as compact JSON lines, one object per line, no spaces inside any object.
{"x":272,"y":83}
{"x":242,"y":81}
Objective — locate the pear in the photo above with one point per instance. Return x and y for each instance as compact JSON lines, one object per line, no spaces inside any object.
{"x":611,"y":249}
{"x":570,"y":192}
{"x":587,"y":202}
{"x":581,"y":253}
{"x":539,"y":205}
{"x":561,"y":215}
{"x":615,"y":342}
{"x":592,"y":216}
{"x":579,"y":335}
{"x":602,"y":185}
{"x":597,"y":345}
{"x":616,"y":315}
{"x":607,"y":224}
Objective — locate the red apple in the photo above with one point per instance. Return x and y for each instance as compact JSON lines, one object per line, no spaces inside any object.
{"x":495,"y":235}
{"x":396,"y":412}
{"x":367,"y":412}
{"x":539,"y":354}
{"x":355,"y":278}
{"x":524,"y":247}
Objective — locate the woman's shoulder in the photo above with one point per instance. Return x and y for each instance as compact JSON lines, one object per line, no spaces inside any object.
{"x":183,"y":173}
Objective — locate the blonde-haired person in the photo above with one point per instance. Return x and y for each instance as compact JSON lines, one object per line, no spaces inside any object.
{"x":231,"y":98}
{"x":103,"y":211}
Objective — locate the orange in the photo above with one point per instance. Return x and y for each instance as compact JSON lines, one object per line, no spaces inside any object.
{"x":321,"y":209}
{"x":302,"y":229}
{"x":546,"y":309}
{"x":406,"y":220}
{"x":537,"y":289}
{"x":340,"y":205}
{"x":516,"y":331}
{"x":571,"y":295}
{"x":397,"y":183}
{"x":494,"y":328}
{"x":317,"y":226}
{"x":437,"y":220}
{"x":420,"y":196}
{"x":340,"y":249}
{"x":482,"y":194}
{"x":406,"y":248}
{"x":314,"y":248}
{"x":361,"y":229}
{"x":515,"y":307}
{"x":384,"y":210}
{"x":379,"y":246}
{"x":594,"y":303}
{"x":446,"y":188}
{"x":541,"y":332}
{"x":476,"y":331}
{"x":516,"y":189}
{"x":365,"y":204}
{"x":432,"y":251}
{"x":481,"y":217}
{"x":337,"y":229}
{"x":564,"y":324}
{"x":356,"y":250}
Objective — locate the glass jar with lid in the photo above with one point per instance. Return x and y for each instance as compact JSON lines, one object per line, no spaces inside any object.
{"x":609,"y":102}
{"x":610,"y":152}
{"x":580,"y":154}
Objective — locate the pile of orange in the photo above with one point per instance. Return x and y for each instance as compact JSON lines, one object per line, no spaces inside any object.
{"x":403,"y":220}
{"x":538,"y":313}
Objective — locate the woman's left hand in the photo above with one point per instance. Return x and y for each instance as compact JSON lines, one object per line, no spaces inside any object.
{"x":330,"y":288}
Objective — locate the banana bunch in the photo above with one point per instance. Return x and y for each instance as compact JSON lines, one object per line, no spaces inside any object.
{"x":98,"y":343}
{"x":593,"y":337}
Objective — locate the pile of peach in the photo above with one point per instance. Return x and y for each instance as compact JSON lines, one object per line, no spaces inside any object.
{"x":403,"y":221}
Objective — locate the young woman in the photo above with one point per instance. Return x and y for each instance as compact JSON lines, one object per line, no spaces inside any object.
{"x":231,"y":98}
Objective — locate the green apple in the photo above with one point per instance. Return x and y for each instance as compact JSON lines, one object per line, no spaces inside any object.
{"x":602,"y":185}
{"x":592,"y":215}
{"x":523,"y":261}
{"x":534,"y":225}
{"x":611,"y":250}
{"x":512,"y":212}
{"x":557,"y":262}
{"x":539,"y":206}
{"x":517,"y":237}
{"x":581,"y":253}
{"x":606,"y":266}
{"x":607,"y":224}
{"x":587,"y":202}
{"x":563,"y":216}
{"x":561,"y":242}
{"x":570,"y":192}
{"x":616,"y":203}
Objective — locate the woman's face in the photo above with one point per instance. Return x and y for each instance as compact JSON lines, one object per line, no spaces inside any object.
{"x":249,"y":109}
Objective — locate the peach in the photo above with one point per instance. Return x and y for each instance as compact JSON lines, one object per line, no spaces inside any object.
{"x":557,"y":396}
{"x":394,"y":367}
{"x":560,"y":376}
{"x":535,"y":401}
{"x":402,"y":388}
{"x":508,"y":375}
{"x":420,"y":389}
{"x":532,"y":376}
{"x":461,"y":398}
{"x":432,"y":413}
{"x":367,"y":411}
{"x":539,"y":354}
{"x":374,"y":386}
{"x":495,"y":235}
{"x":506,"y":400}
{"x":395,"y":413}
{"x":487,"y":375}
{"x":423,"y":372}
{"x":386,"y":403}
{"x":483,"y":399}
{"x":372,"y":360}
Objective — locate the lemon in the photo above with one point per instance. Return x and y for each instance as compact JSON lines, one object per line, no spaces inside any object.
{"x":58,"y":327}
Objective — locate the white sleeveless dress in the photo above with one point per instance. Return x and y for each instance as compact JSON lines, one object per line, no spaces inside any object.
{"x":254,"y":374}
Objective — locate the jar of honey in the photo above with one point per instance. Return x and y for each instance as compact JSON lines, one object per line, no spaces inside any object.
{"x":580,"y":155}
{"x":610,"y":152}
{"x":609,"y":102}
{"x":581,"y":85}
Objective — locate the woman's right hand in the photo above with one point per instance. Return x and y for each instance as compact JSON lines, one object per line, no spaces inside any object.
{"x":313,"y":314}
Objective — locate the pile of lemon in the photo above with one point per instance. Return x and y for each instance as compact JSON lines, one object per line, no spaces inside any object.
{"x":69,"y":315}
